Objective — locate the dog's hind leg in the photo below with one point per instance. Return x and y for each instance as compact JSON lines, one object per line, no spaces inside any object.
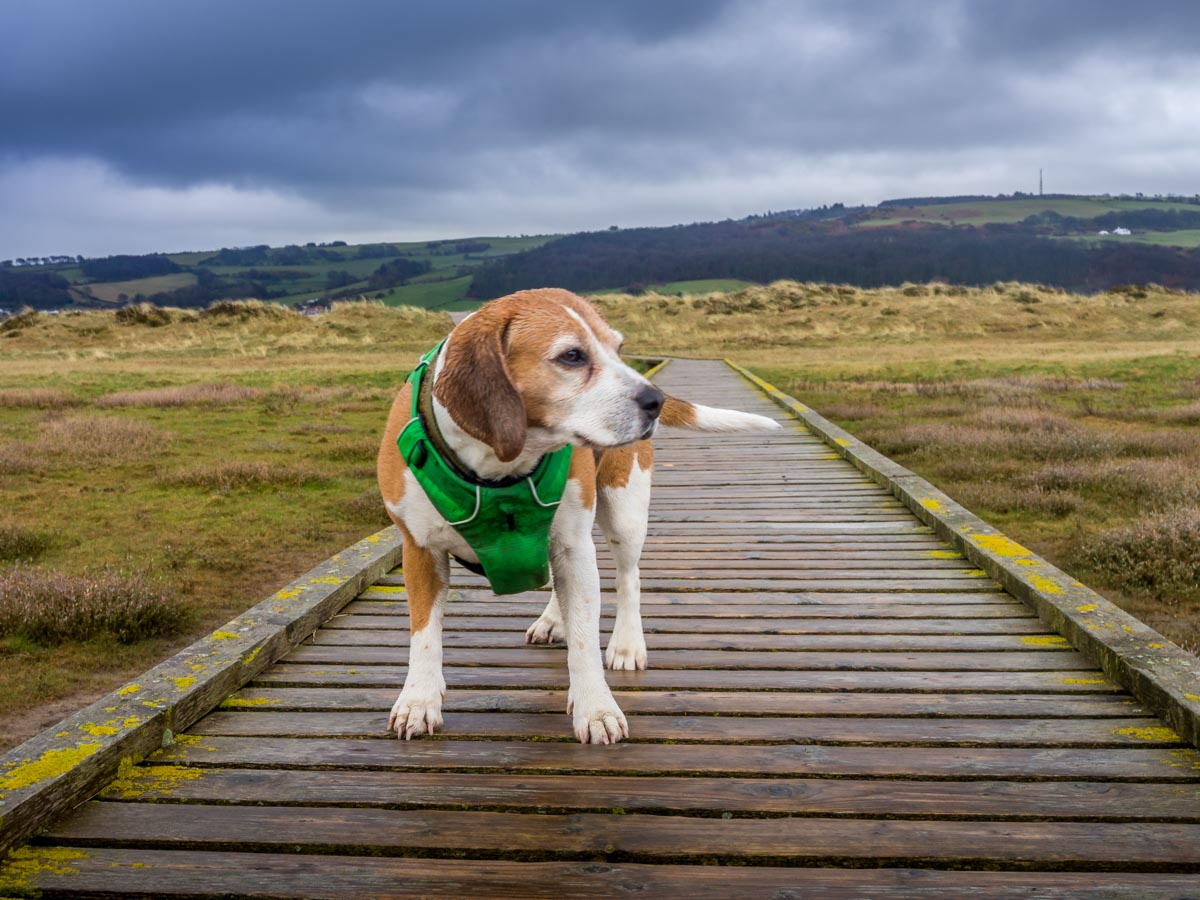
{"x":548,"y":627}
{"x":622,"y":509}
{"x":418,"y":709}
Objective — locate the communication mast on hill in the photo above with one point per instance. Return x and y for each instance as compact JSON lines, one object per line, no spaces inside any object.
{"x":1039,"y":182}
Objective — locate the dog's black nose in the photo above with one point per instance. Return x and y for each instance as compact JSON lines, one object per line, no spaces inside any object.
{"x":650,"y":400}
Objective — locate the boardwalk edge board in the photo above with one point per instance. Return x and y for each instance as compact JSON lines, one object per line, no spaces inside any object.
{"x":69,"y":762}
{"x":1157,"y":671}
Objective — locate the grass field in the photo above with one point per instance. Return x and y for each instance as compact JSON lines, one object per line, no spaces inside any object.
{"x":983,"y":212}
{"x":214,"y":458}
{"x":111,"y":291}
{"x":209,"y":460}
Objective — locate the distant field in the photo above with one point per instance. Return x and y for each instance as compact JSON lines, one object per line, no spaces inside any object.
{"x":111,"y":291}
{"x":983,"y":212}
{"x":1188,"y":238}
{"x":702,"y":286}
{"x":430,"y":295}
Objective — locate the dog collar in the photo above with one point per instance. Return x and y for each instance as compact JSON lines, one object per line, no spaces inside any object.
{"x":507,"y":524}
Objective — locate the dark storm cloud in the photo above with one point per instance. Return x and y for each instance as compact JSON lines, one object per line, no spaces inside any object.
{"x":529,"y":115}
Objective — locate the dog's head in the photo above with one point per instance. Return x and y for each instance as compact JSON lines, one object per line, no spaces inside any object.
{"x":543,"y":359}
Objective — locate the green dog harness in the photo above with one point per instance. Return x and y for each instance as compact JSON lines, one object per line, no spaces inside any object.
{"x":507,"y":524}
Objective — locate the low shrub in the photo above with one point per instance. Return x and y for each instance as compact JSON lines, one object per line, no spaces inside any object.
{"x":49,"y":607}
{"x":98,"y":438}
{"x":1157,"y":554}
{"x":36,"y":398}
{"x":18,"y":542}
{"x":244,"y":476}
{"x":208,"y":394}
{"x":143,"y":314}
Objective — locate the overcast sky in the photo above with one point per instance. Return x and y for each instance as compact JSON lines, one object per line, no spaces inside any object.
{"x":140,"y":125}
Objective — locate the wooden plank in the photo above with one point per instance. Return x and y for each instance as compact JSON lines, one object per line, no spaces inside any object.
{"x":542,"y":655}
{"x":1136,"y":732}
{"x":766,"y":614}
{"x":798,"y":625}
{"x":180,"y":872}
{"x":1067,"y":682}
{"x":735,"y":643}
{"x":736,"y":703}
{"x":662,"y":759}
{"x":1091,"y":800}
{"x":636,"y":837}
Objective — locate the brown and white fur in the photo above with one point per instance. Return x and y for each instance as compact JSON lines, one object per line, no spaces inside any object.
{"x":523,"y":376}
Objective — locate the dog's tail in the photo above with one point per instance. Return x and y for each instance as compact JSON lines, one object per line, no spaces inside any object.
{"x":678,"y":413}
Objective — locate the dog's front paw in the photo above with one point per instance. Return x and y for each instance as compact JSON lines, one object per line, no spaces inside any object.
{"x":417,"y":711}
{"x":546,"y":629}
{"x":598,"y":719}
{"x":626,"y":648}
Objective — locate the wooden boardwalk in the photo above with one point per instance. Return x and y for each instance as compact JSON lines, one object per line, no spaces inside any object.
{"x":838,"y":705}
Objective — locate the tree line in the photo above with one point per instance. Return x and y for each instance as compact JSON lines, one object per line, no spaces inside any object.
{"x":765,"y":251}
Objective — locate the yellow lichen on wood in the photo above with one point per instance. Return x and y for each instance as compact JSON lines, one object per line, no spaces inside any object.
{"x":1045,"y":585}
{"x":163,"y":780}
{"x":252,"y":655}
{"x":327,"y":579}
{"x":223,"y":635}
{"x":183,"y":682}
{"x":1086,"y":608}
{"x":1044,"y":640}
{"x":247,"y":702}
{"x":129,"y":689}
{"x":1083,"y":681}
{"x":1158,"y":733}
{"x":932,"y":504}
{"x":386,"y":589}
{"x":19,"y":872}
{"x":942,"y":554}
{"x":999,"y":545}
{"x":46,"y":767}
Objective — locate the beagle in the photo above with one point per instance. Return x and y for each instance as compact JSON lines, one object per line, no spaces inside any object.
{"x":519,"y":379}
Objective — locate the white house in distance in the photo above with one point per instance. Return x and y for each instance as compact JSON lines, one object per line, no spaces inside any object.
{"x":1122,"y":232}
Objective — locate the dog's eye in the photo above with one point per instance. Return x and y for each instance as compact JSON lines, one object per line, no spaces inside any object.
{"x":573,"y":358}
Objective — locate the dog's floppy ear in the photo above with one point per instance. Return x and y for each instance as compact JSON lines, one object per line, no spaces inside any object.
{"x":477,"y":390}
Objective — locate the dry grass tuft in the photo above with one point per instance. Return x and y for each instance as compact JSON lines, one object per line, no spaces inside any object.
{"x":50,"y":608}
{"x":97,"y":439}
{"x":245,"y":476}
{"x":367,"y":507}
{"x":244,"y":310}
{"x":143,"y":314}
{"x":1159,"y":555}
{"x":209,"y":394}
{"x":21,"y":320}
{"x":20,"y":543}
{"x":36,"y":398}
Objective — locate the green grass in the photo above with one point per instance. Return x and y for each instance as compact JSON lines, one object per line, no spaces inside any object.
{"x":702,"y":286}
{"x":111,"y":291}
{"x":214,"y":459}
{"x":1189,"y":238}
{"x":430,"y":295}
{"x":983,"y":212}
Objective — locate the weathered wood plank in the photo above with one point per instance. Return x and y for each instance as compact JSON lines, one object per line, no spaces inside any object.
{"x":736,"y":703}
{"x":883,"y":643}
{"x":1090,"y":800}
{"x":664,"y":759}
{"x":704,"y":625}
{"x":768,"y":614}
{"x":1137,"y":732}
{"x":636,"y":837}
{"x":155,"y":873}
{"x":542,"y":655}
{"x":1066,"y":682}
